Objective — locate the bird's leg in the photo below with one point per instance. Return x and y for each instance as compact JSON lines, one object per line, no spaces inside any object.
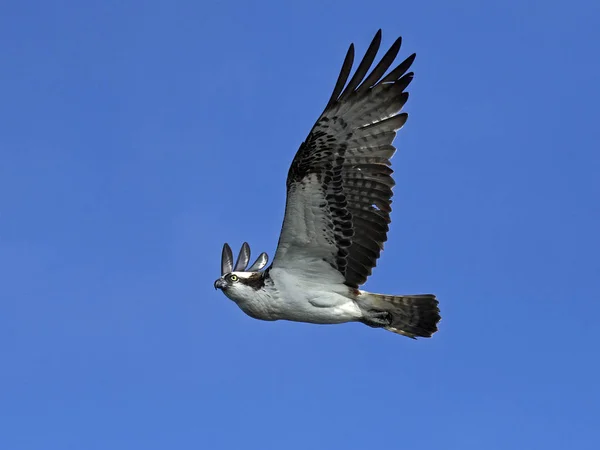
{"x":377,"y":319}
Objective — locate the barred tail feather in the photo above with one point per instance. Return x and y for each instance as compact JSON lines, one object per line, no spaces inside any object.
{"x":408,"y":315}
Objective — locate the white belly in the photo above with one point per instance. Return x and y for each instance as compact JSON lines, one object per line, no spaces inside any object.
{"x":312,"y":300}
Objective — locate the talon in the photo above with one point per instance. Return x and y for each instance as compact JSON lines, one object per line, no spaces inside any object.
{"x":378,"y":319}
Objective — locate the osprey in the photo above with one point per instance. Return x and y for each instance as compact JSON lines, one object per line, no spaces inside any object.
{"x":339,"y":190}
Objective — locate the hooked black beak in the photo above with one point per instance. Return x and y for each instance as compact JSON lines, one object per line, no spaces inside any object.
{"x":220,"y":284}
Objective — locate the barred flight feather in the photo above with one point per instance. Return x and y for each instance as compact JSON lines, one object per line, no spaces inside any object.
{"x":345,"y":163}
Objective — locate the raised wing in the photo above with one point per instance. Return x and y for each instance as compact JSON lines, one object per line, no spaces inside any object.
{"x":241,"y":264}
{"x":339,"y":186}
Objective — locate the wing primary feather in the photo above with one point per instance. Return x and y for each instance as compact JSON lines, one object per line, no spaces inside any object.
{"x":342,"y":77}
{"x":403,"y":82}
{"x":226,"y":259}
{"x":260,"y":262}
{"x":363,"y":67}
{"x":391,"y":123}
{"x":381,"y":67}
{"x":243,"y":258}
{"x":400,"y":69}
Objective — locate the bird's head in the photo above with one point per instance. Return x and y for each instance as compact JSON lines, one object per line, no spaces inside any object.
{"x":239,"y":282}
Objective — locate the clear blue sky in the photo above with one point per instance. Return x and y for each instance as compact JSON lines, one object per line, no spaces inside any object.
{"x":137,"y":137}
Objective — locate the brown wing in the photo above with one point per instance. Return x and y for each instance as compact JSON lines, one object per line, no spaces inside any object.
{"x":339,"y":186}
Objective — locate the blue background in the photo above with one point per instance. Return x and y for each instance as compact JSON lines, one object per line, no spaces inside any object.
{"x":137,"y":137}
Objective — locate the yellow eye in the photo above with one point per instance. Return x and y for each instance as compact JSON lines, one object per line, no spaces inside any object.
{"x":233,"y":278}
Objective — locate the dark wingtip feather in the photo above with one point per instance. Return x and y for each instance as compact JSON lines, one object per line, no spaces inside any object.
{"x":342,"y":77}
{"x":363,"y":67}
{"x":226,"y":259}
{"x":260,"y":262}
{"x":399,"y":70}
{"x":243,"y":258}
{"x":405,"y":80}
{"x":358,"y":83}
{"x":383,"y":65}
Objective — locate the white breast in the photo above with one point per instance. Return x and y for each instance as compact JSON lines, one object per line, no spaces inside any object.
{"x":311,"y":297}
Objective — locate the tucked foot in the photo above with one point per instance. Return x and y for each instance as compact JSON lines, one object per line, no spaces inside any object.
{"x":377,"y":319}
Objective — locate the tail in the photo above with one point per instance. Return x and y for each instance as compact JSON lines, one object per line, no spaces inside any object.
{"x":409,"y":315}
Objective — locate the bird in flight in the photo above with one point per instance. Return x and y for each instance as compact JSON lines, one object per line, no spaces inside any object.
{"x":337,"y":214}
